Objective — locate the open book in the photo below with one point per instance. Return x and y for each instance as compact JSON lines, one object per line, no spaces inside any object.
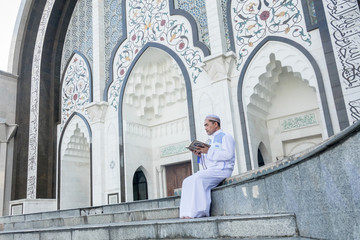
{"x":196,"y":144}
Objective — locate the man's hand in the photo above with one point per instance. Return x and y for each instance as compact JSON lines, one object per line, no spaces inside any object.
{"x":196,"y":152}
{"x":202,"y":149}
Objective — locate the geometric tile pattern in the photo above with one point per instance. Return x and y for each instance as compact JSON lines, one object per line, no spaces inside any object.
{"x":79,"y":36}
{"x":197,"y":9}
{"x":226,"y":25}
{"x":113,"y":29}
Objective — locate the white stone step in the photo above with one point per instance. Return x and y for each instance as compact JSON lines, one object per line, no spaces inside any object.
{"x":88,"y":219}
{"x":250,"y":226}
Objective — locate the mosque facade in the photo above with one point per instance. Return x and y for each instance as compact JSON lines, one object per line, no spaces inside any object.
{"x":102,"y":96}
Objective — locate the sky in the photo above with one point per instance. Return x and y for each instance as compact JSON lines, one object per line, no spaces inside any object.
{"x":8,"y":13}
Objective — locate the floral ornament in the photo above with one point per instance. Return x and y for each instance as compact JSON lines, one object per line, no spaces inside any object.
{"x":150,"y":21}
{"x":254,"y":19}
{"x":76,"y":87}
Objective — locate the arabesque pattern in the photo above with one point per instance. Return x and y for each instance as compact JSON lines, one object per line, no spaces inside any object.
{"x":151,"y":22}
{"x":75,"y":88}
{"x":255,"y":19}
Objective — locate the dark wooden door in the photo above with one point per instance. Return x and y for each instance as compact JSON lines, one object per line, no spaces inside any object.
{"x":175,"y":174}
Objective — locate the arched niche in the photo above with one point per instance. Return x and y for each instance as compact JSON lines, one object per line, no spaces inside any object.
{"x":281,"y":99}
{"x":155,"y":112}
{"x":75,"y":164}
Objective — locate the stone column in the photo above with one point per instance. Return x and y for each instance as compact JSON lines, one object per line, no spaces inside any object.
{"x":160,"y":184}
{"x":7,"y":132}
{"x":220,"y":66}
{"x":97,"y":113}
{"x":97,"y":109}
{"x":219,"y":70}
{"x":98,"y":50}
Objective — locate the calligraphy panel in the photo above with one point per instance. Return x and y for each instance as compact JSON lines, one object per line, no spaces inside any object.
{"x":344,"y":27}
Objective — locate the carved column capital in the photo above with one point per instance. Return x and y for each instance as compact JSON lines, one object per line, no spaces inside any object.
{"x":7,"y":131}
{"x":97,"y":111}
{"x":220,"y":67}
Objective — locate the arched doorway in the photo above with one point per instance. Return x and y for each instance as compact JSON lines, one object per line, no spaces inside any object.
{"x":155,"y":120}
{"x":282,"y":103}
{"x":262,"y":151}
{"x":140,"y":189}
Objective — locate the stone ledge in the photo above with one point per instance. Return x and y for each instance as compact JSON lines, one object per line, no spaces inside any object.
{"x":292,"y":160}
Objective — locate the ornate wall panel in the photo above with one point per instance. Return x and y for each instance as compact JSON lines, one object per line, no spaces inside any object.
{"x":255,"y":19}
{"x":174,"y":149}
{"x":79,"y":36}
{"x":34,"y":104}
{"x":149,"y":22}
{"x":76,"y":87}
{"x":197,"y":9}
{"x":312,"y":12}
{"x":224,"y":6}
{"x":344,"y":27}
{"x":113,"y":29}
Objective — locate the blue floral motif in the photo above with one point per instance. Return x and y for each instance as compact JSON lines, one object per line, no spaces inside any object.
{"x":254,"y":19}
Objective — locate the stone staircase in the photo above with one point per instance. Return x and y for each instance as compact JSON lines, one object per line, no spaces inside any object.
{"x":152,"y":219}
{"x":287,"y":200}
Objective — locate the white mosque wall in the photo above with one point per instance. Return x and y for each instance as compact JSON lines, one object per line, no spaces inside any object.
{"x":317,"y":52}
{"x":155,"y":114}
{"x":111,"y":179}
{"x":8,"y":83}
{"x":8,"y":89}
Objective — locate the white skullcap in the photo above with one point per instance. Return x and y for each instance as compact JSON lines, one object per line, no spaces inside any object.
{"x":213,"y":117}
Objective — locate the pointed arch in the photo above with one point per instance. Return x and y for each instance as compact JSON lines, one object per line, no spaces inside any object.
{"x":263,"y":152}
{"x":74,"y":114}
{"x":120,"y":109}
{"x":140,"y":184}
{"x":320,"y":85}
{"x":78,"y":90}
{"x":172,"y":11}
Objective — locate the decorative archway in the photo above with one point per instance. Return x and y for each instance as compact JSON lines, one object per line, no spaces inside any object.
{"x":140,"y":185}
{"x":191,"y":117}
{"x":75,"y":147}
{"x":312,"y":75}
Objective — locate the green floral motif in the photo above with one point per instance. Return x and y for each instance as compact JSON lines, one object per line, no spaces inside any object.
{"x":173,"y":149}
{"x":299,"y":122}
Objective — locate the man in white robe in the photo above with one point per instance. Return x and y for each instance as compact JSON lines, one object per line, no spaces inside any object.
{"x":218,"y":163}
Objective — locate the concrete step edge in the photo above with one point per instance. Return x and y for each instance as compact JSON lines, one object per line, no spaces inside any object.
{"x":168,"y":222}
{"x":127,"y":216}
{"x":172,"y":201}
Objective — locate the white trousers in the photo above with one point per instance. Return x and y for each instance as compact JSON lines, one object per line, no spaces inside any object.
{"x":196,"y":192}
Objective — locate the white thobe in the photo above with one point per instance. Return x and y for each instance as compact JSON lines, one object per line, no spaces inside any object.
{"x":218,"y":163}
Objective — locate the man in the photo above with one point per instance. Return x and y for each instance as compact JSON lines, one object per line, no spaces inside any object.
{"x":218,"y":164}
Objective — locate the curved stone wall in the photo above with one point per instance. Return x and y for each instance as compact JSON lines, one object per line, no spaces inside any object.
{"x":320,"y":186}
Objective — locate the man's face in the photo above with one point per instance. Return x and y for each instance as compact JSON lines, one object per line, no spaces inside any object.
{"x":210,"y":127}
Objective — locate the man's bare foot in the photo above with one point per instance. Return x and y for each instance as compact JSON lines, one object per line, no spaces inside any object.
{"x":186,"y":217}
